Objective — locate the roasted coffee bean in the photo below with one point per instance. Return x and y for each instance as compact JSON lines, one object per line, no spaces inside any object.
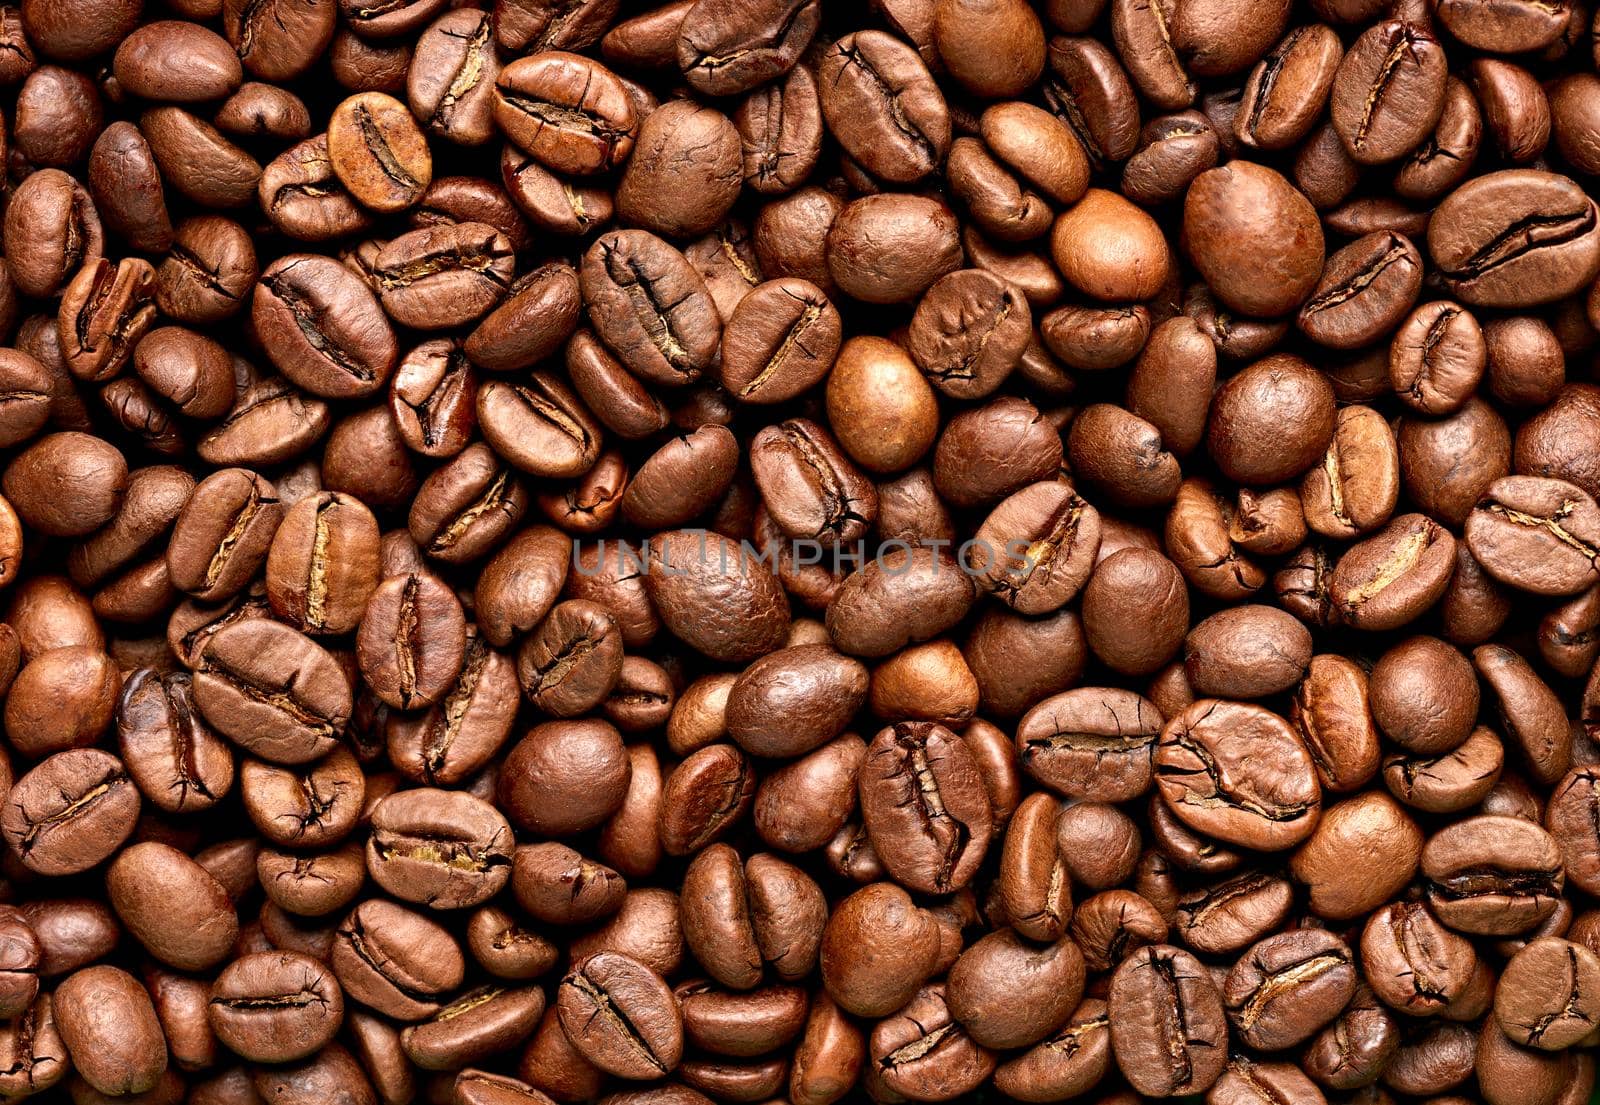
{"x":650,"y":307}
{"x":1091,"y":741}
{"x":396,"y":961}
{"x":105,"y":311}
{"x":276,"y":1007}
{"x":925,"y":1049}
{"x":683,"y":479}
{"x":1251,"y":209}
{"x":443,"y":276}
{"x":323,"y":328}
{"x":1541,"y":999}
{"x":568,"y":111}
{"x":1499,"y":888}
{"x":273,"y":690}
{"x":1267,"y":807}
{"x":445,"y":849}
{"x":105,"y":1019}
{"x":1534,"y":534}
{"x":70,"y":812}
{"x":412,"y":641}
{"x":1389,"y":91}
{"x":433,"y":398}
{"x":312,"y":807}
{"x":222,"y":537}
{"x":1515,"y":238}
{"x":322,"y":567}
{"x":1391,"y":578}
{"x":810,"y":489}
{"x":1288,"y":986}
{"x":1365,"y":290}
{"x":969,"y":331}
{"x":883,"y":106}
{"x":174,"y":758}
{"x":621,"y":1016}
{"x":378,"y":152}
{"x":1411,"y":961}
{"x":925,"y":806}
{"x":574,"y":660}
{"x":1168,"y":1031}
{"x":780,"y":341}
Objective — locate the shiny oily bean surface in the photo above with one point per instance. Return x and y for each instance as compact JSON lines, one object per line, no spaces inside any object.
{"x":561,"y":550}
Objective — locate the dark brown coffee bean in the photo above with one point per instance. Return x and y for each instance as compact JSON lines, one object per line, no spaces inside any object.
{"x":276,"y":1007}
{"x":780,"y":341}
{"x":323,"y":328}
{"x":174,"y":758}
{"x":902,"y":596}
{"x":105,"y":311}
{"x":1389,"y":579}
{"x":323,"y":564}
{"x":1154,"y":991}
{"x":923,"y":1048}
{"x":1251,"y":209}
{"x":106,"y":1020}
{"x":396,"y":961}
{"x":1247,"y":652}
{"x":1411,"y":961}
{"x":1288,"y":986}
{"x":621,"y":1016}
{"x":1535,"y":533}
{"x":1364,"y":291}
{"x":925,"y":806}
{"x":573,"y":661}
{"x":443,"y":276}
{"x":1543,"y":998}
{"x":892,"y":247}
{"x":70,"y":812}
{"x":883,"y":106}
{"x":650,"y":307}
{"x":1492,"y":874}
{"x":272,"y":690}
{"x":1508,"y":256}
{"x":566,"y":110}
{"x":1274,"y":807}
{"x":445,"y":849}
{"x":713,"y":597}
{"x":1036,"y":549}
{"x":411,"y":643}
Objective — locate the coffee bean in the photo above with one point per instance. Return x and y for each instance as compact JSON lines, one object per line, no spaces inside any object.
{"x":1192,"y":773}
{"x":1508,"y":889}
{"x":1251,"y":209}
{"x":1512,"y":258}
{"x":442,"y":848}
{"x":621,"y":1016}
{"x":322,"y":565}
{"x":1153,"y":990}
{"x":1389,"y":91}
{"x":1288,"y":986}
{"x":412,"y":641}
{"x":323,"y":328}
{"x":70,"y":812}
{"x":172,"y":906}
{"x":272,"y":690}
{"x":568,"y":111}
{"x":1412,"y":962}
{"x":105,"y":1019}
{"x":925,"y":806}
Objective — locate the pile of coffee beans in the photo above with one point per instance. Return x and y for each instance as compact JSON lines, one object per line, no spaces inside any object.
{"x":799,"y":551}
